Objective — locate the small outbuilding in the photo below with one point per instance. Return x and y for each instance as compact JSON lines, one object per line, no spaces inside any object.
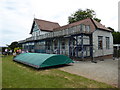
{"x":39,"y":60}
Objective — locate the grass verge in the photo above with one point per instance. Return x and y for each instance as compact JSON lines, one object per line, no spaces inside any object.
{"x":15,"y":75}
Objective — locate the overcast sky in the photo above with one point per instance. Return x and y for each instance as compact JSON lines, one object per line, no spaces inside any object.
{"x":16,"y":16}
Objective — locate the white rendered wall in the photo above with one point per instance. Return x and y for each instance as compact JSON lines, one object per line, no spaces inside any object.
{"x":104,"y":51}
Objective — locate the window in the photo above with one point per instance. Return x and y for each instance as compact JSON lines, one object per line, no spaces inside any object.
{"x":87,"y":28}
{"x":48,"y":45}
{"x":55,"y":44}
{"x":63,"y":45}
{"x":107,"y":43}
{"x":79,"y":40}
{"x":100,"y":42}
{"x":83,"y":28}
{"x":36,"y":31}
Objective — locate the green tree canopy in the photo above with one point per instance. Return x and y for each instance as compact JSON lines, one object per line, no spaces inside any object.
{"x":116,"y":37}
{"x":82,"y":14}
{"x":14,"y":45}
{"x":111,"y":29}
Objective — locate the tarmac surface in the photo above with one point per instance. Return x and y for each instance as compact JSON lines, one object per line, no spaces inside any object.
{"x":103,"y":71}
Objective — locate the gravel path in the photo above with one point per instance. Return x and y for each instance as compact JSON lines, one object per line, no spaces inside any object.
{"x":102,"y":71}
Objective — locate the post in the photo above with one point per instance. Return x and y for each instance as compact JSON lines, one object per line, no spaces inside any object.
{"x":82,"y":47}
{"x":77,"y":45}
{"x":51,"y":46}
{"x":58,"y":45}
{"x":91,"y":46}
{"x":69,"y":46}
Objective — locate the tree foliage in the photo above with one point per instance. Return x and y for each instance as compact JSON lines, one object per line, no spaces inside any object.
{"x":17,"y":48}
{"x":14,"y":45}
{"x":82,"y":14}
{"x":111,"y":29}
{"x":116,"y":37}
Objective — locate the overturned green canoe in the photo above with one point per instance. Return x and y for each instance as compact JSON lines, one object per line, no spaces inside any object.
{"x":39,"y":60}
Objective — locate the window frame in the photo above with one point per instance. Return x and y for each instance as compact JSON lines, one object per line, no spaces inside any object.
{"x":107,"y":42}
{"x":100,"y":44}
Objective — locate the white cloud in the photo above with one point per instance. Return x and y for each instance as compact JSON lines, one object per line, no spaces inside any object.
{"x":17,"y":15}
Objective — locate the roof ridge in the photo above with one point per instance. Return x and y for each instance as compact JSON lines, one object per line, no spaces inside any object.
{"x":46,"y":21}
{"x":45,"y":25}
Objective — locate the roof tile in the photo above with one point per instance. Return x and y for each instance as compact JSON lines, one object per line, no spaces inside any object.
{"x":46,"y":25}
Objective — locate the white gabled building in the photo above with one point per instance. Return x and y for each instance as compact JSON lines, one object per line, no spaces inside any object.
{"x":85,"y":38}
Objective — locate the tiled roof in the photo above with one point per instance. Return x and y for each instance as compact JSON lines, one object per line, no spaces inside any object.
{"x":53,"y":26}
{"x":45,"y":25}
{"x":97,"y":24}
{"x":71,"y":25}
{"x":100,"y":26}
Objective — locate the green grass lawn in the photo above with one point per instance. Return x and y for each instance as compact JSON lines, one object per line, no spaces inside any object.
{"x":15,"y":75}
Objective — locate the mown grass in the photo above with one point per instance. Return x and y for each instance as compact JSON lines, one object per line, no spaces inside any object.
{"x":15,"y":75}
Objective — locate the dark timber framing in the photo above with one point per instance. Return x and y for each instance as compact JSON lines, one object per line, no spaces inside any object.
{"x":77,"y":37}
{"x":73,"y":48}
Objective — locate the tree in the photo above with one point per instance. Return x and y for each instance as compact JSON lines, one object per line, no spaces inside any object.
{"x":3,"y":49}
{"x":17,"y":48}
{"x":14,"y":45}
{"x":82,"y":14}
{"x":98,"y":20}
{"x":116,"y":37}
{"x":111,"y":29}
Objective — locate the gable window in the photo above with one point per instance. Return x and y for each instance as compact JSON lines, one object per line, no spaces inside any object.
{"x":107,"y":43}
{"x":35,"y":30}
{"x":100,"y":42}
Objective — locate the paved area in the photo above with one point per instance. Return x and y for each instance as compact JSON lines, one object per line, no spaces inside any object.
{"x":102,"y":71}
